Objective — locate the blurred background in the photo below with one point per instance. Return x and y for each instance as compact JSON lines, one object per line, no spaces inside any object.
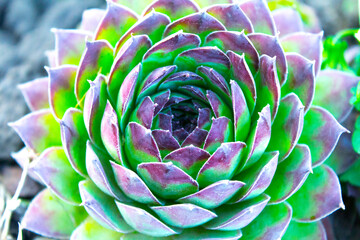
{"x":25,"y":35}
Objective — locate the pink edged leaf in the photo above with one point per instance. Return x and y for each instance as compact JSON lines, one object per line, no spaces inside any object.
{"x":239,"y":215}
{"x":175,"y":9}
{"x":218,"y":105}
{"x":222,"y":131}
{"x":308,"y":45}
{"x":211,"y":57}
{"x":242,"y":75}
{"x":231,"y":16}
{"x":94,"y":107}
{"x":23,"y":157}
{"x":290,"y":174}
{"x":242,"y":118}
{"x":144,"y":113}
{"x":213,"y":195}
{"x":100,"y":172}
{"x":91,"y":230}
{"x":301,"y":79}
{"x":102,"y":208}
{"x":91,"y":19}
{"x":126,"y":96}
{"x":50,"y":217}
{"x":270,"y":45}
{"x":305,"y":231}
{"x":267,"y":86}
{"x":152,"y":25}
{"x":167,"y":180}
{"x":163,"y":121}
{"x":61,"y":89}
{"x":204,"y":120}
{"x":69,"y":45}
{"x":185,"y":215}
{"x":74,"y":137}
{"x":257,"y":178}
{"x":35,"y":93}
{"x":54,"y":169}
{"x":110,"y":133}
{"x":143,"y":222}
{"x":115,"y":22}
{"x":287,"y":126}
{"x":200,"y":24}
{"x":271,"y":224}
{"x":207,"y":3}
{"x":259,"y":138}
{"x":132,"y":185}
{"x":129,"y":55}
{"x":318,"y":197}
{"x":287,"y":20}
{"x":260,"y":16}
{"x":140,"y":145}
{"x":38,"y":130}
{"x":97,"y":58}
{"x":321,"y":133}
{"x":336,"y":99}
{"x":189,"y":159}
{"x":195,"y":138}
{"x":160,"y":99}
{"x":165,"y":141}
{"x":181,"y":79}
{"x":236,"y":42}
{"x":222,"y":164}
{"x":214,"y":80}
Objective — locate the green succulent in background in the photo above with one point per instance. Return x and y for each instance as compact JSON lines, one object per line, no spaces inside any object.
{"x":184,"y":123}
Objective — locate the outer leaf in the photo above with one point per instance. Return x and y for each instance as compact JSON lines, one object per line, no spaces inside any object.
{"x":35,"y":93}
{"x":287,"y":20}
{"x":91,"y":19}
{"x":271,"y":224}
{"x":318,"y":197}
{"x":49,"y":216}
{"x":305,"y":231}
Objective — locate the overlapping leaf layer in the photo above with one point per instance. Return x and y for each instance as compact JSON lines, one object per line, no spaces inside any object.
{"x":184,"y":123}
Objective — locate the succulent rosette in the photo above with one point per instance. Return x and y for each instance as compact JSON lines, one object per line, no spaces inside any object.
{"x":184,"y":123}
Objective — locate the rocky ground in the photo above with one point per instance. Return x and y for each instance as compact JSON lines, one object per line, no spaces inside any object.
{"x":25,"y":36}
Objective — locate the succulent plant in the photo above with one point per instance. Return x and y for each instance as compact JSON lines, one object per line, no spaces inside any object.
{"x":184,"y":123}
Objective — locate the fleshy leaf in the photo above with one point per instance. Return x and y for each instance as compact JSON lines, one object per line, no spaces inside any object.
{"x":116,"y":21}
{"x":308,"y":45}
{"x":257,"y":178}
{"x":270,"y":45}
{"x":231,"y":16}
{"x":260,"y":16}
{"x":175,"y":9}
{"x":91,"y":19}
{"x":61,"y":89}
{"x":54,"y":169}
{"x":165,"y":141}
{"x":102,"y":208}
{"x":301,"y":79}
{"x":38,"y":130}
{"x":287,"y":127}
{"x":129,"y":55}
{"x":49,"y":216}
{"x":74,"y":137}
{"x":321,"y":133}
{"x":185,"y":215}
{"x":336,"y":99}
{"x":97,"y":58}
{"x":213,"y":195}
{"x":140,"y":145}
{"x":222,"y":164}
{"x":190,"y":159}
{"x":167,"y":180}
{"x":35,"y":93}
{"x":219,"y":107}
{"x":239,"y":215}
{"x":143,"y":222}
{"x":318,"y":197}
{"x":293,"y":172}
{"x":267,"y":86}
{"x":242,"y":119}
{"x":195,"y":138}
{"x":91,"y":230}
{"x":305,"y":231}
{"x":222,"y":131}
{"x":200,"y":24}
{"x":271,"y":224}
{"x":287,"y":20}
{"x":69,"y":45}
{"x":132,"y":185}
